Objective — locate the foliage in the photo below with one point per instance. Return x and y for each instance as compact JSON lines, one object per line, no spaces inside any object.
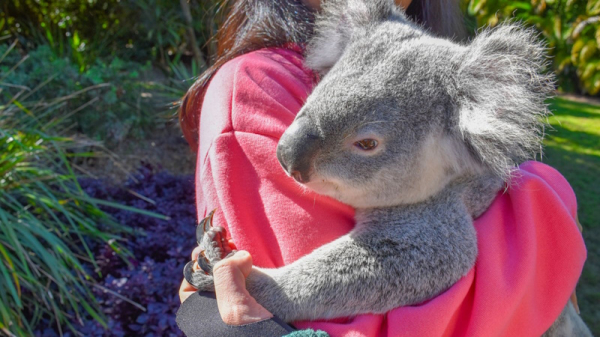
{"x":45,"y":219}
{"x":135,"y":30}
{"x":570,"y":27}
{"x":176,"y":86}
{"x":154,"y":275}
{"x":49,"y":226}
{"x":76,"y":44}
{"x":111,"y":101}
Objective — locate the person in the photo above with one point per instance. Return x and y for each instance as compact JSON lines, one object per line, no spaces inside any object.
{"x":233,"y":117}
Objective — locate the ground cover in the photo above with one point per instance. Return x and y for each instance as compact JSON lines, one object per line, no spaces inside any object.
{"x":139,"y":296}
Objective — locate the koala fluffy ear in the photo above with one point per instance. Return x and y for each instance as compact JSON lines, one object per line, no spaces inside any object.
{"x":335,"y":25}
{"x":502,"y":88}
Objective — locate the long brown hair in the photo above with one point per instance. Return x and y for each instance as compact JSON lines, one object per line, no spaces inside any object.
{"x":250,"y":25}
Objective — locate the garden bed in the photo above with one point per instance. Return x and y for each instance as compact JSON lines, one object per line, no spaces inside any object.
{"x":163,"y":148}
{"x":140,"y":297}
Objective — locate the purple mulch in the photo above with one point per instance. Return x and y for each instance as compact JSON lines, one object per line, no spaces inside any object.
{"x":153,"y":278}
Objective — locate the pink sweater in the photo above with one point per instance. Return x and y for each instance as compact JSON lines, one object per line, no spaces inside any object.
{"x":530,"y":250}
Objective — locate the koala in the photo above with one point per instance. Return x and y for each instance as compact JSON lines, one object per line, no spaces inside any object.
{"x":419,"y":134}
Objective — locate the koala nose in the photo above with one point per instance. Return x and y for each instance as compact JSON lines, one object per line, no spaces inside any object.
{"x":295,"y":153}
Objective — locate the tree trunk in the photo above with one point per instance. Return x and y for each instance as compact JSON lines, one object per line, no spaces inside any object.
{"x":198,"y":57}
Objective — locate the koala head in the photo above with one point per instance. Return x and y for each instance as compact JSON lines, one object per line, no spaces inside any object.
{"x":399,"y":113}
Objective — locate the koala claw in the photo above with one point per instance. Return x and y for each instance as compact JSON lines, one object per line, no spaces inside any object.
{"x":199,"y":279}
{"x":214,"y":245}
{"x":204,"y":263}
{"x":204,"y":226}
{"x":213,"y":241}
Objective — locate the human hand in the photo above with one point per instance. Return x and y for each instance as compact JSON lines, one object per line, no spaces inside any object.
{"x":236,"y":305}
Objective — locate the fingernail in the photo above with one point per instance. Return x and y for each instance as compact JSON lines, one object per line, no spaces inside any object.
{"x":241,"y":253}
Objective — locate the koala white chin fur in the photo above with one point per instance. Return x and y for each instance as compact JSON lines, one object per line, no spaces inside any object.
{"x":419,"y":134}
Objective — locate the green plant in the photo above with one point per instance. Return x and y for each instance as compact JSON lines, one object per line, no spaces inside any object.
{"x":80,"y":30}
{"x":170,"y":92}
{"x":570,"y":27}
{"x":136,"y":30}
{"x":112,"y":101}
{"x":48,"y":225}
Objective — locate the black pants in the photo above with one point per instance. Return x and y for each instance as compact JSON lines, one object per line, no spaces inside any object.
{"x":199,"y":316}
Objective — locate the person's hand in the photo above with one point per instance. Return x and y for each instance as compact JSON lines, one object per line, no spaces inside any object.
{"x":236,"y":306}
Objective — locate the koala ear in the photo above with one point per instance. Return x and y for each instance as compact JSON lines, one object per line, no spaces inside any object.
{"x":335,"y":25}
{"x":502,"y":88}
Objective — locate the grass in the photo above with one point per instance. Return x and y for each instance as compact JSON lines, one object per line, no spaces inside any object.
{"x":573,"y":147}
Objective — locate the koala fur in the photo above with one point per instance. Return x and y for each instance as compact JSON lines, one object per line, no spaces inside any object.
{"x":450,"y":121}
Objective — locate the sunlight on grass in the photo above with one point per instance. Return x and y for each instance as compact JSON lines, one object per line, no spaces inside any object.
{"x":569,"y":145}
{"x":575,"y":127}
{"x":573,"y":148}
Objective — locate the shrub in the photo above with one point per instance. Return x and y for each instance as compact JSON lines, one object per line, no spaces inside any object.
{"x":570,"y":27}
{"x":111,"y":101}
{"x":49,"y":226}
{"x":136,"y":30}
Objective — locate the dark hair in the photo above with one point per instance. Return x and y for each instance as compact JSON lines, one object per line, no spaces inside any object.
{"x":250,"y":25}
{"x":442,"y":17}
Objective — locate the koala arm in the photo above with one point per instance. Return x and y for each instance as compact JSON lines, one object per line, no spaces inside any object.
{"x":381,"y":265}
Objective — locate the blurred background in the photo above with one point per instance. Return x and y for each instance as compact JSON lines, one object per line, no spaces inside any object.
{"x":97,"y":212}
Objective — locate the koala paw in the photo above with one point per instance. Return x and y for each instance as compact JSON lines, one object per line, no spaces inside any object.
{"x":199,"y":279}
{"x":215,"y":247}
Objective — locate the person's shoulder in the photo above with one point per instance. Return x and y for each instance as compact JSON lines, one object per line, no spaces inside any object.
{"x":281,"y":63}
{"x":259,"y":92}
{"x":536,"y":177}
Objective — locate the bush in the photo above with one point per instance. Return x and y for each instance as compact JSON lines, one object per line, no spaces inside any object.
{"x":570,"y":27}
{"x":136,"y":30}
{"x":47,"y":223}
{"x":49,"y":226}
{"x":111,"y":101}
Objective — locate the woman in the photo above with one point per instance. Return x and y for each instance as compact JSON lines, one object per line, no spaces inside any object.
{"x":254,"y":93}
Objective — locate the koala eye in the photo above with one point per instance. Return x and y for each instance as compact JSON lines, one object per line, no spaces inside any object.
{"x":366,"y":144}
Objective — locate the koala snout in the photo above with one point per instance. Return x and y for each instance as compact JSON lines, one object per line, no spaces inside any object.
{"x":296,"y":151}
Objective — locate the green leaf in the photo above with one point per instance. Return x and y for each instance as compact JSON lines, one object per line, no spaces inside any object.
{"x":475,"y":6}
{"x":588,"y":51}
{"x":110,"y":97}
{"x":593,"y":7}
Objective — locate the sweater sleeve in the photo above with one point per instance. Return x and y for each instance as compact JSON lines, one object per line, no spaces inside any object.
{"x":247,"y":107}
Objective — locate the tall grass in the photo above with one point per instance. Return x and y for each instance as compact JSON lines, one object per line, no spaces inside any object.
{"x":48,"y":224}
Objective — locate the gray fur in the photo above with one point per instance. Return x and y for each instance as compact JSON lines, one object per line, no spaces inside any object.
{"x":451,"y":122}
{"x":568,"y":324}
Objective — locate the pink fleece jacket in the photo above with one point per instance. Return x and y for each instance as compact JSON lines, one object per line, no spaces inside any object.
{"x":530,"y":250}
